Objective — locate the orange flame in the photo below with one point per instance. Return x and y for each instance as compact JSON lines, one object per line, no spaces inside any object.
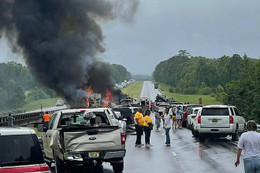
{"x":89,"y":90}
{"x":108,"y":99}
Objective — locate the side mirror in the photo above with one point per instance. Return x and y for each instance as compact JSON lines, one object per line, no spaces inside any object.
{"x":40,"y":128}
{"x":124,"y":119}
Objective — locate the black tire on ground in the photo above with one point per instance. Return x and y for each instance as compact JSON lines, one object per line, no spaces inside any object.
{"x":60,"y":167}
{"x":192,"y":130}
{"x":118,"y":167}
{"x":235,"y":136}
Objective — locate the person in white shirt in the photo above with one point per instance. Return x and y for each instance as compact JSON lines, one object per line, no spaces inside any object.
{"x":167,"y":126}
{"x":249,"y":142}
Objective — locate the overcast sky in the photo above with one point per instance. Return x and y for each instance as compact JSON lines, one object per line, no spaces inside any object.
{"x":210,"y":28}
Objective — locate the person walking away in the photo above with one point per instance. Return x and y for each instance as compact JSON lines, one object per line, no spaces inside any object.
{"x":157,"y":119}
{"x":250,"y":143}
{"x":153,"y":106}
{"x":148,"y":125}
{"x":167,"y":126}
{"x":139,"y":121}
{"x":178,"y":113}
{"x":174,"y":122}
{"x":10,"y":120}
{"x":46,"y":119}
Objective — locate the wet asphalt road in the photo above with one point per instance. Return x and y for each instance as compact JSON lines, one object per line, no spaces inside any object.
{"x":185,"y":155}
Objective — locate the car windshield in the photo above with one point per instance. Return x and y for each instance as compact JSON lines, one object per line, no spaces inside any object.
{"x":95,"y":119}
{"x":215,"y":111}
{"x":20,"y":150}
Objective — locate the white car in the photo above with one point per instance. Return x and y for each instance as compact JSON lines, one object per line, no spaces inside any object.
{"x":20,"y":151}
{"x":190,"y":118}
{"x":218,"y":121}
{"x":121,"y":120}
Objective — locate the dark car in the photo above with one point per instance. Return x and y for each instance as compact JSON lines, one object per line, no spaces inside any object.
{"x":20,"y":151}
{"x":187,"y":111}
{"x":126,"y":112}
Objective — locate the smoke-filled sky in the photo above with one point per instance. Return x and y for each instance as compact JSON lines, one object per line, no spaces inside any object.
{"x":160,"y":28}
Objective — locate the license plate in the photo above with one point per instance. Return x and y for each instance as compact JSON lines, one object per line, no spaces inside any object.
{"x":215,"y":120}
{"x":93,"y":154}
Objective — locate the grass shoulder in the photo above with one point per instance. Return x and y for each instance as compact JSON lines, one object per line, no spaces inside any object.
{"x":35,"y":105}
{"x":191,"y":98}
{"x":134,"y":89}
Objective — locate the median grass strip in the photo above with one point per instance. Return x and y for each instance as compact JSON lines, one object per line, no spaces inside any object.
{"x":191,"y":98}
{"x":134,"y":89}
{"x":46,"y":103}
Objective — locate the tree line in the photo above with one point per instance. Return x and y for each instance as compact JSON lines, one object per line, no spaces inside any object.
{"x":232,"y":80}
{"x":18,"y":86}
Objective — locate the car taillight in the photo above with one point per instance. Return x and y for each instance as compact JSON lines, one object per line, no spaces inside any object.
{"x":231,"y":120}
{"x":41,"y":168}
{"x":82,"y":110}
{"x":122,"y":138}
{"x":199,"y":119}
{"x":132,"y":118}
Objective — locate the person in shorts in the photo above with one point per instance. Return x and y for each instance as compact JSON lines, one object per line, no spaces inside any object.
{"x":178,"y":113}
{"x":174,"y":121}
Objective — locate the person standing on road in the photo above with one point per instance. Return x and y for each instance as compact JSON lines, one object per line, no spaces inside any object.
{"x":46,"y":119}
{"x":178,"y":113}
{"x":167,"y":126}
{"x":10,"y":120}
{"x":157,"y":119}
{"x":148,"y":125}
{"x":174,"y":122}
{"x":139,"y":122}
{"x":250,"y":143}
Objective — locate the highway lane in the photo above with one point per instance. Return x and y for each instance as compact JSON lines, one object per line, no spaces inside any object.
{"x":149,"y":91}
{"x":185,"y":155}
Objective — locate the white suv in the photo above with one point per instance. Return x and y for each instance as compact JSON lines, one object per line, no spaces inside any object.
{"x":20,"y":151}
{"x":218,"y":120}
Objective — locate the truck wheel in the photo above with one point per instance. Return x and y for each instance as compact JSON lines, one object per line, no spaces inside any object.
{"x":59,"y":166}
{"x":118,"y":167}
{"x":235,"y":135}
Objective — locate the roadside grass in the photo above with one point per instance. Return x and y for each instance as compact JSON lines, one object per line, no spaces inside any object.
{"x":134,"y":89}
{"x":35,"y":105}
{"x":191,"y":98}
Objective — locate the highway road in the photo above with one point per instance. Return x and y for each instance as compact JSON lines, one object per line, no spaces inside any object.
{"x":149,"y":91}
{"x":185,"y":155}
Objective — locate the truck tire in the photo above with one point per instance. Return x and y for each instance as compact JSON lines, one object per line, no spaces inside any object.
{"x":59,"y":165}
{"x":118,"y":167}
{"x":235,"y":135}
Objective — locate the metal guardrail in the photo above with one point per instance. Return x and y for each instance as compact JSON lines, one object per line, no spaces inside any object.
{"x":22,"y":119}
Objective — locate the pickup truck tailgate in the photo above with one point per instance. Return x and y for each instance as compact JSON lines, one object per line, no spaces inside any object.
{"x":97,"y":139}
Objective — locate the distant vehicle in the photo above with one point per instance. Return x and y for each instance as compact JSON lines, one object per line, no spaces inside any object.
{"x":192,"y":115}
{"x":82,"y":136}
{"x":156,"y":85}
{"x":126,"y":112}
{"x":121,"y":121}
{"x":20,"y":151}
{"x":162,"y":106}
{"x":186,"y":111}
{"x":60,"y":103}
{"x":218,"y":121}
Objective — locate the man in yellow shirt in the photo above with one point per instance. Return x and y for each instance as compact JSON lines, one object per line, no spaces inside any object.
{"x":139,"y":122}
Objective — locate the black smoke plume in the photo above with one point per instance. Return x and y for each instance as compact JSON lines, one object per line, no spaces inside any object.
{"x":61,"y":41}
